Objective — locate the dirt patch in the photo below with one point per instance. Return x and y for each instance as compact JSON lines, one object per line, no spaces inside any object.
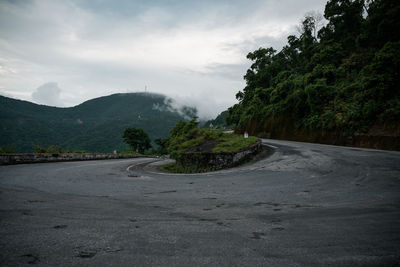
{"x":170,"y":191}
{"x":86,"y":253}
{"x":60,"y":226}
{"x":35,"y":201}
{"x":32,"y":259}
{"x":257,"y":235}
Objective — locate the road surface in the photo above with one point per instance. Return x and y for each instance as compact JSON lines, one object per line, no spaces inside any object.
{"x":303,"y":205}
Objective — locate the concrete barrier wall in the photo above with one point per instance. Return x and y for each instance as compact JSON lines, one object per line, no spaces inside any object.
{"x":9,"y":159}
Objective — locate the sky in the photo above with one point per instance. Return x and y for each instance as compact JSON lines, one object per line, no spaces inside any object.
{"x":62,"y":53}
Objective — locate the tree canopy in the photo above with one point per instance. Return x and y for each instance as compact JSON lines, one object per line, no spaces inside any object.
{"x":137,"y":139}
{"x":345,"y":78}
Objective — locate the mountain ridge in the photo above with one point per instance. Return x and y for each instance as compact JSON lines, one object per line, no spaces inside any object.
{"x":95,"y":125}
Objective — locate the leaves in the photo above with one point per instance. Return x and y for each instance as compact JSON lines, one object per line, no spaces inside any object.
{"x":137,"y":139}
{"x":346,"y":81}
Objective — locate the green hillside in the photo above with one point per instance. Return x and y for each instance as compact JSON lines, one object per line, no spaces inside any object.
{"x":96,"y":125}
{"x":336,"y":84}
{"x":219,"y":121}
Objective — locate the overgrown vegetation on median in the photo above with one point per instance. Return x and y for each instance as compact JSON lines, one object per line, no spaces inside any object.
{"x":186,"y":138}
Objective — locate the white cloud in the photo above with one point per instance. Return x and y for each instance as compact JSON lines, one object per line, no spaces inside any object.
{"x":48,"y":94}
{"x":185,"y":49}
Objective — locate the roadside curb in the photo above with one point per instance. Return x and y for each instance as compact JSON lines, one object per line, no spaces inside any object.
{"x":12,"y":159}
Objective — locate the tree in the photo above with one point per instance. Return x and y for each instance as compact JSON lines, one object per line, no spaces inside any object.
{"x":137,"y":139}
{"x":345,"y":22}
{"x":318,"y":22}
{"x":162,"y":144}
{"x":343,"y":77}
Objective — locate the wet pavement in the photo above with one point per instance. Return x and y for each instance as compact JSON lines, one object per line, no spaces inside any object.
{"x":303,"y":205}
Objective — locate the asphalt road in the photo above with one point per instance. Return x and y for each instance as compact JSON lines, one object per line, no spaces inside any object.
{"x":304,"y":205}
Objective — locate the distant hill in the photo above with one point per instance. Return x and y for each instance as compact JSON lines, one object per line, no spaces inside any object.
{"x":96,"y":125}
{"x":219,"y":121}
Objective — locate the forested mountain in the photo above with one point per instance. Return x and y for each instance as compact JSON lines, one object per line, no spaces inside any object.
{"x":219,"y":121}
{"x":341,"y":80}
{"x":96,"y":125}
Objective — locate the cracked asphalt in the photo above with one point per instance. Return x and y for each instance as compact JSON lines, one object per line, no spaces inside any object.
{"x":303,"y":205}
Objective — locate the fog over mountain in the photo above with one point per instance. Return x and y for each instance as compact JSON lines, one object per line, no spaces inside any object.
{"x":96,"y":125}
{"x":62,"y":53}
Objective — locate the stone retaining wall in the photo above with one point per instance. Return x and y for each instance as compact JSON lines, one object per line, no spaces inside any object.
{"x":200,"y":162}
{"x":8,"y":159}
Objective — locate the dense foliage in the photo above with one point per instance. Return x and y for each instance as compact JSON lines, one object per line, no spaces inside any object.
{"x":96,"y":125}
{"x":344,"y":79}
{"x":7,"y":150}
{"x":137,"y":139}
{"x":187,"y":137}
{"x":218,"y":122}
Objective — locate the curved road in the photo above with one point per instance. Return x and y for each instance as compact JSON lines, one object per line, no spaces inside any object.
{"x":304,"y":205}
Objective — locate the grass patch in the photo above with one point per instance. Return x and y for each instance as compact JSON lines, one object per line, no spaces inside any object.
{"x":192,"y":143}
{"x":224,"y":142}
{"x":232,"y":143}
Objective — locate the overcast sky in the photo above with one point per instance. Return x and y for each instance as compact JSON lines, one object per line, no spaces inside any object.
{"x":62,"y":53}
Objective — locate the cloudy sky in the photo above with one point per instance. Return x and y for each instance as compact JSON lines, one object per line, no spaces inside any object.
{"x":62,"y":53}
